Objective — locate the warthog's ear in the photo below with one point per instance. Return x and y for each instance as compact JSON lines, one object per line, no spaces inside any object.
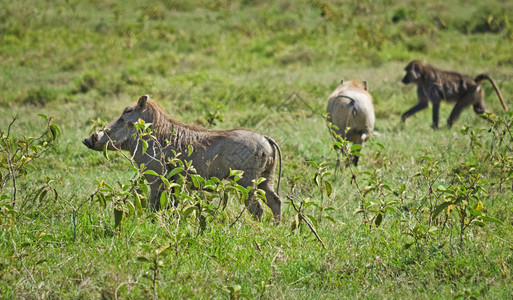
{"x":342,"y":81}
{"x":142,"y":101}
{"x":365,"y":86}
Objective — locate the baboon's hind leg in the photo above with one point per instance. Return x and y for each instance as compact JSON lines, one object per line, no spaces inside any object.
{"x":455,"y":113}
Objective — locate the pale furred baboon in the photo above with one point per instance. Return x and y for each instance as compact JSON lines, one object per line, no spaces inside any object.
{"x":437,"y":86}
{"x":350,"y":109}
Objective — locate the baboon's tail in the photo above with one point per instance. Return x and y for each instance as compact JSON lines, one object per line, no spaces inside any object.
{"x":480,"y":78}
{"x":274,"y":144}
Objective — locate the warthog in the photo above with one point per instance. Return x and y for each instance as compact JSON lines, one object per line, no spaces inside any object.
{"x":350,"y":106}
{"x":215,"y":151}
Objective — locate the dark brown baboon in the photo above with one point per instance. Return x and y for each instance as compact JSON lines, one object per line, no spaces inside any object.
{"x":435,"y":85}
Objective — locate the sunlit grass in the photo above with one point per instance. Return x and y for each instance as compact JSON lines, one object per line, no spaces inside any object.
{"x":270,"y":66}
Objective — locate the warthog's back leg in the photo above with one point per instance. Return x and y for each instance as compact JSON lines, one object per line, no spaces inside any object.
{"x":273,"y":200}
{"x":252,"y":204}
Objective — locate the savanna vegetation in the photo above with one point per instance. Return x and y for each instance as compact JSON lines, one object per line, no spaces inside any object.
{"x":426,"y":214}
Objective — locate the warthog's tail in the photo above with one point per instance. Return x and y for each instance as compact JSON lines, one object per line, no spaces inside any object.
{"x":275,"y":145}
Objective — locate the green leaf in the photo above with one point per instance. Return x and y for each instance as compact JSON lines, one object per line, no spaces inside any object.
{"x":313,"y":164}
{"x":313,"y":220}
{"x":108,"y":187}
{"x":236,"y":174}
{"x":101,"y":200}
{"x":385,"y":186}
{"x":475,"y":212}
{"x":378,"y":219}
{"x":118,"y":217}
{"x":330,"y":219}
{"x":131,"y":207}
{"x":432,"y":229}
{"x":175,"y":171}
{"x":189,"y":210}
{"x":317,"y":180}
{"x":329,"y":189}
{"x":440,"y":208}
{"x":164,"y":200}
{"x":165,"y":181}
{"x":426,"y":158}
{"x":138,"y":205}
{"x":244,"y":191}
{"x":105,"y":153}
{"x":150,"y":172}
{"x":41,"y":194}
{"x":356,"y":147}
{"x":491,"y":219}
{"x":144,"y":145}
{"x":148,"y":248}
{"x":295,"y":223}
{"x":144,"y":188}
{"x":162,"y":250}
{"x":478,"y":223}
{"x":337,"y":145}
{"x":143,"y":259}
{"x":357,"y":211}
{"x":55,"y":130}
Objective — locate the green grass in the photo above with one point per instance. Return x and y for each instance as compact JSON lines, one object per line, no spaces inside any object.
{"x":271,"y":65}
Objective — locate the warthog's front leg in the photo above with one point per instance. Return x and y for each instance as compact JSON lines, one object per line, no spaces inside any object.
{"x":155,"y":197}
{"x":156,"y":186}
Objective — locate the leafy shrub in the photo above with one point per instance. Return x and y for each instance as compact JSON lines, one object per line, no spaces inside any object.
{"x":400,"y":14}
{"x":179,"y":5}
{"x":417,"y":43}
{"x":17,"y":157}
{"x":154,"y":12}
{"x":39,"y":96}
{"x":84,"y":84}
{"x":491,"y":19}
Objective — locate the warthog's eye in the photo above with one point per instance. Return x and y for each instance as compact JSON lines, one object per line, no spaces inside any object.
{"x":127,"y":110}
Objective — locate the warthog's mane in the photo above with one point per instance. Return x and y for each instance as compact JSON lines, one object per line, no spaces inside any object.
{"x":168,"y":130}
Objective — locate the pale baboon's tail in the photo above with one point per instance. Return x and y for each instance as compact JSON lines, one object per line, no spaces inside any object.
{"x":275,"y":145}
{"x":481,"y":77}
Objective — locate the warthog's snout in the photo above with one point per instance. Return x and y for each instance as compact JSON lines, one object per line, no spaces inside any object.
{"x":87,"y":143}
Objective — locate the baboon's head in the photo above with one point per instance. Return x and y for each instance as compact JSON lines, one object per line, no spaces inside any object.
{"x":413,"y":72}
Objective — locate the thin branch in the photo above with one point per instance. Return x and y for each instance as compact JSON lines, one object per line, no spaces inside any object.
{"x":238,"y":217}
{"x":300,"y":214}
{"x":19,"y":258}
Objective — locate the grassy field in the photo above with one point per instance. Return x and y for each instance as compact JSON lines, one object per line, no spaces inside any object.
{"x":426,"y":214}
